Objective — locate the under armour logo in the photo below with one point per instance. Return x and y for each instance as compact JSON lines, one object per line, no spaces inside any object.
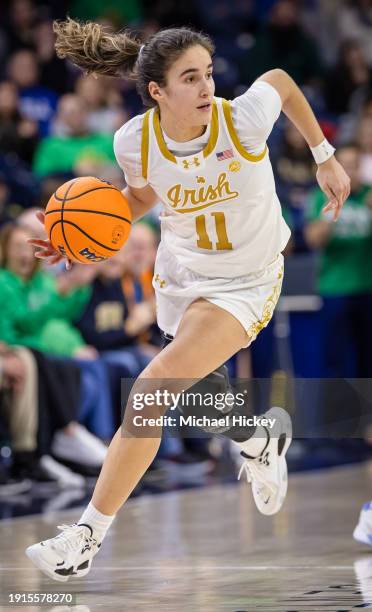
{"x":187,"y":164}
{"x":264,"y":459}
{"x":158,"y":280}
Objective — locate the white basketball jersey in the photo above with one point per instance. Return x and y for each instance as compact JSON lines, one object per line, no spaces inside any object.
{"x":221,"y":216}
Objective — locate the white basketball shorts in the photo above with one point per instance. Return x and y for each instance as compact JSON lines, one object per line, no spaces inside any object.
{"x":251,"y":299}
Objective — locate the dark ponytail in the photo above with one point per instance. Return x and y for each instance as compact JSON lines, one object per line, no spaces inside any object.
{"x":95,"y":49}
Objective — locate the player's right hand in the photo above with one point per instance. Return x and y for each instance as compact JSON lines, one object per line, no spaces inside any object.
{"x":46,"y":249}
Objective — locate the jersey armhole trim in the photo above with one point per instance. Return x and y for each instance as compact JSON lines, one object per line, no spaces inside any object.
{"x":145,"y":144}
{"x":234,"y":136}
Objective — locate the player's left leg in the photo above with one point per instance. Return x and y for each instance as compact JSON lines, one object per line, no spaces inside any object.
{"x":263,"y":451}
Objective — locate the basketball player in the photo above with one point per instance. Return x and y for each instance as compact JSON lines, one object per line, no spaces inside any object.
{"x":219,"y":266}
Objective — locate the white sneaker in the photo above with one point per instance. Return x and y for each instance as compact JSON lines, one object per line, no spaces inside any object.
{"x":79,"y":447}
{"x":63,"y":475}
{"x":268,"y":471}
{"x":363,"y":530}
{"x":68,"y":554}
{"x":363,"y":573}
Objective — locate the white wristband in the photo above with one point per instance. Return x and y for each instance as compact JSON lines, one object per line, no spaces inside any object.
{"x":322,"y":151}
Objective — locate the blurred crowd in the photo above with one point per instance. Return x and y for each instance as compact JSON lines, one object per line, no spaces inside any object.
{"x":67,"y":338}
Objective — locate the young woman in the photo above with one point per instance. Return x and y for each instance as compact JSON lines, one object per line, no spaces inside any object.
{"x":219,"y":266}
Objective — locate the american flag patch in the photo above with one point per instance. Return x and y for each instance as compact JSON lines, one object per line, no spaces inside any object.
{"x":225,"y":154}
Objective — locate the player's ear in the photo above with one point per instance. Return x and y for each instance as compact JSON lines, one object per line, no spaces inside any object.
{"x":155,"y":91}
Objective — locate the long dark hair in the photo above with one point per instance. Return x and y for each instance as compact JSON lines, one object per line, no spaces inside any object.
{"x":96,"y":49}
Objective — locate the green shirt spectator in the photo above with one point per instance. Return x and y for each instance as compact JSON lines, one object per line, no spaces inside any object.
{"x":346,"y":259}
{"x":74,"y":142}
{"x":34,"y":314}
{"x":116,"y":10}
{"x":60,"y":154}
{"x":37,"y":309}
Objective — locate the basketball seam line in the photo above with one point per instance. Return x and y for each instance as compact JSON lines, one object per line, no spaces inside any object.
{"x":81,"y":194}
{"x":63,"y":229}
{"x":82,"y":231}
{"x":95,"y":212}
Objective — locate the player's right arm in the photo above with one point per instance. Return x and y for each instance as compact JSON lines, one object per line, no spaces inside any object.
{"x":141,"y":200}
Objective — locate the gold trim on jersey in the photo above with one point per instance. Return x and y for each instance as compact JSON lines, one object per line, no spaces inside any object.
{"x":209,"y":146}
{"x":145,"y":143}
{"x":234,"y":136}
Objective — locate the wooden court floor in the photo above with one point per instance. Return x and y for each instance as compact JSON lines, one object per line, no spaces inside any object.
{"x":210,"y":550}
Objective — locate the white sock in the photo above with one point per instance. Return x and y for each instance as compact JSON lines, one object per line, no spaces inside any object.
{"x":255,"y":445}
{"x":96,"y":520}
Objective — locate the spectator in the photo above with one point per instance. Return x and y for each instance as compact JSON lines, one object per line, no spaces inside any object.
{"x":283,"y":43}
{"x":355,"y":21}
{"x":37,"y":312}
{"x":139,"y":256}
{"x":107,"y":324}
{"x":19,"y":395}
{"x":20,"y":26}
{"x":36,"y":102}
{"x":73,"y":141}
{"x":345,"y":274}
{"x":350,"y":74}
{"x":103,"y":104}
{"x":17,"y":134}
{"x":54,"y":73}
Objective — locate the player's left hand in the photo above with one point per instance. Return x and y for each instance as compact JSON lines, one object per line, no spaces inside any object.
{"x":335,"y":183}
{"x":46,"y":250}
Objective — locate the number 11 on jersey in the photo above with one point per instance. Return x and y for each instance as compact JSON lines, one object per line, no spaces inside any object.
{"x":204,"y":242}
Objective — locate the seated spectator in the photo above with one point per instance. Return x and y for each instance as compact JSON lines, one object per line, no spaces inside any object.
{"x":350,"y":74}
{"x":345,"y":274}
{"x":73,"y":141}
{"x":139,"y":258}
{"x":18,"y":134}
{"x":108,"y":325}
{"x":19,"y":407}
{"x":36,"y":102}
{"x":37,"y":312}
{"x":103,"y":104}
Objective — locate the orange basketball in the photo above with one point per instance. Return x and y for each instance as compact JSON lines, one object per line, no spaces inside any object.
{"x":88,"y":220}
